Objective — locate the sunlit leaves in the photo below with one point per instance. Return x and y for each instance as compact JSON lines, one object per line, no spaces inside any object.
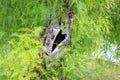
{"x":23,"y":53}
{"x":94,"y":22}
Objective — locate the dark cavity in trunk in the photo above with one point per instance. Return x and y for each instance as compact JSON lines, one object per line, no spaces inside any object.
{"x":60,"y":37}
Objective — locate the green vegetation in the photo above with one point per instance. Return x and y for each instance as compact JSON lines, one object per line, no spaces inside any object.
{"x":94,"y":22}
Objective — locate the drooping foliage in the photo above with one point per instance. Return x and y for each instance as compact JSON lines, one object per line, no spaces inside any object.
{"x":94,"y":22}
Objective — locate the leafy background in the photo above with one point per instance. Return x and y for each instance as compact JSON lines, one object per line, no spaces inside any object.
{"x":95,"y":26}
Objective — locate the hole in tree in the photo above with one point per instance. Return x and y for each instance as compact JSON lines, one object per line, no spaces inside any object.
{"x":60,"y":37}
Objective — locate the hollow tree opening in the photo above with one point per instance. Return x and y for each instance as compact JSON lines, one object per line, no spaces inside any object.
{"x":59,"y":38}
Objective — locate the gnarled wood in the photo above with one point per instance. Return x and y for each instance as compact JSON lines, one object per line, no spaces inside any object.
{"x":56,"y":39}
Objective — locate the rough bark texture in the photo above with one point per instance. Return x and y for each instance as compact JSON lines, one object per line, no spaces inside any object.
{"x":56,"y":39}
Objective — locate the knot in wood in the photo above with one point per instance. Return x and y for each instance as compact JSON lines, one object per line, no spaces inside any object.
{"x":56,"y":39}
